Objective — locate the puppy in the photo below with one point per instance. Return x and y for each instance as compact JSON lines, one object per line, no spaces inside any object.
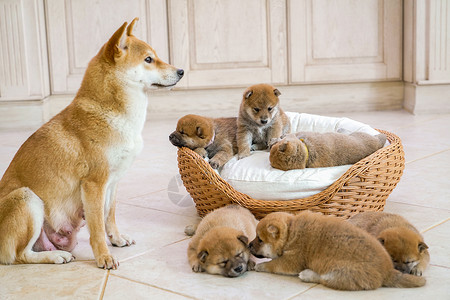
{"x":316,"y":150}
{"x":260,"y":119}
{"x":220,"y":243}
{"x":326,"y":250}
{"x":402,"y":241}
{"x":212,"y":138}
{"x":68,"y":170}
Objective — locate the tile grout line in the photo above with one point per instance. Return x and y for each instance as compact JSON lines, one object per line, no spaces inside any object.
{"x":160,"y":210}
{"x":417,"y":205}
{"x":426,"y":156}
{"x":153,"y":286}
{"x":105,"y":282}
{"x":301,"y":293}
{"x":436,"y":225}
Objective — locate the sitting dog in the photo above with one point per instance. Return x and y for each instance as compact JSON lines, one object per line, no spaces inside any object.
{"x":260,"y":119}
{"x":401,"y":239}
{"x":220,"y":243}
{"x":68,"y":170}
{"x":326,"y":250}
{"x":316,"y":150}
{"x":212,"y":138}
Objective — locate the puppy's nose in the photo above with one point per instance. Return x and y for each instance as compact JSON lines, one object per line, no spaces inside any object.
{"x":180,"y":72}
{"x":263,"y":121}
{"x":239,"y":269}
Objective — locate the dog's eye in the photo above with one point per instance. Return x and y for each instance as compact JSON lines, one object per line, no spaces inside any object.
{"x":148,"y":60}
{"x":223,"y":264}
{"x":270,"y":109}
{"x":240,"y":254}
{"x":256,"y":110}
{"x":259,"y":240}
{"x":182,"y":132}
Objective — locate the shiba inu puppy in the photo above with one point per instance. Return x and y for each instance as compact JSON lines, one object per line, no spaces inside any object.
{"x":212,"y":138}
{"x":316,"y":150}
{"x":260,"y":119}
{"x":220,"y":243}
{"x":402,"y":240}
{"x":66,"y":173}
{"x":326,"y":250}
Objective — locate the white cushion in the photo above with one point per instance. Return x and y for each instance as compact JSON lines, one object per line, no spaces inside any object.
{"x":255,"y":176}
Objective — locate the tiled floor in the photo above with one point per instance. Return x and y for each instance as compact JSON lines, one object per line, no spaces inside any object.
{"x":153,"y":210}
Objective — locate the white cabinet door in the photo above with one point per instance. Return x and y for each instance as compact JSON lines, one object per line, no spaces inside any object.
{"x":345,"y":40}
{"x":77,"y":29}
{"x":222,"y":43}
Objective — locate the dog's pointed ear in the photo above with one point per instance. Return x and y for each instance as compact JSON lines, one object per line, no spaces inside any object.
{"x":276,"y":92}
{"x":117,"y":44}
{"x":203,"y":255}
{"x":273,"y":230}
{"x":422,"y":246}
{"x":131,"y":27}
{"x":243,"y":239}
{"x":247,"y":94}
{"x":199,"y":131}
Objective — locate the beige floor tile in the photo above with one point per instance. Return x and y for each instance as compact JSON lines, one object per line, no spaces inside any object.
{"x":76,"y":280}
{"x":437,"y":239}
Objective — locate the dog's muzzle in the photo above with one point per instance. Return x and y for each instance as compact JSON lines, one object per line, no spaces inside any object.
{"x":175,"y":140}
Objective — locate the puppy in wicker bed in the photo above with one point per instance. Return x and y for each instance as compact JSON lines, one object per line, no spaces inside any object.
{"x":212,"y":138}
{"x":220,"y":243}
{"x":326,"y":250}
{"x":260,"y":119}
{"x":401,"y":239}
{"x":316,"y":150}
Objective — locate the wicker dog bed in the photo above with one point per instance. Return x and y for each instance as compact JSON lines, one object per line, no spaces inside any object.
{"x":364,"y":187}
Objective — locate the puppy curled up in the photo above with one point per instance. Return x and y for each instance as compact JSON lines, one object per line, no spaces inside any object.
{"x":326,"y":250}
{"x":402,"y":240}
{"x":260,"y":119}
{"x":212,"y":138}
{"x":220,"y":243}
{"x":316,"y":150}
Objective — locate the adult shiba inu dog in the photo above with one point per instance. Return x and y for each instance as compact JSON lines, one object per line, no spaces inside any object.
{"x":326,"y":250}
{"x":66,"y":173}
{"x":402,"y":240}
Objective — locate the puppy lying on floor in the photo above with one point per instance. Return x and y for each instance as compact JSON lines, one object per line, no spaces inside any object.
{"x":220,"y":243}
{"x":326,"y":250}
{"x":316,"y":150}
{"x":212,"y":138}
{"x":402,"y":240}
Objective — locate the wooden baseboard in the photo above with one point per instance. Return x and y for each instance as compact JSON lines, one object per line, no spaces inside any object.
{"x":427,"y":99}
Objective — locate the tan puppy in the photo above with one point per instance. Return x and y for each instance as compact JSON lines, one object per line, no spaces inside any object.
{"x":212,"y":138}
{"x":260,"y":119}
{"x":316,"y":150}
{"x":402,"y":240}
{"x":326,"y":250}
{"x":67,"y":171}
{"x":220,"y":243}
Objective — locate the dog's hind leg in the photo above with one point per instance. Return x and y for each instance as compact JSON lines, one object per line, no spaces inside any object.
{"x":22,"y":215}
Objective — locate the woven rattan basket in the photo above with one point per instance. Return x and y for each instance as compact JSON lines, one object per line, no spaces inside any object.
{"x":364,"y":187}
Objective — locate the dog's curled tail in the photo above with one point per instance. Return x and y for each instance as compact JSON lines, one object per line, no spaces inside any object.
{"x":400,"y":280}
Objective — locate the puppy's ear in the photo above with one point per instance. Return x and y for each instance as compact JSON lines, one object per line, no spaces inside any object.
{"x":203,"y":255}
{"x":276,"y":92}
{"x":248,"y":94}
{"x":199,"y":132}
{"x":273,"y":230}
{"x":243,"y":239}
{"x":422,"y":247}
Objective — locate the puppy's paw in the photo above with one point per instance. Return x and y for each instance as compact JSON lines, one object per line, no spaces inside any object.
{"x":251,"y":265}
{"x":197,"y":268}
{"x":214,"y":164}
{"x":107,"y":262}
{"x":202,"y":152}
{"x":190,"y":229}
{"x":261,"y":267}
{"x":121,"y":240}
{"x":243,"y":154}
{"x":61,"y":257}
{"x":416,"y":271}
{"x":273,"y":142}
{"x":309,"y":275}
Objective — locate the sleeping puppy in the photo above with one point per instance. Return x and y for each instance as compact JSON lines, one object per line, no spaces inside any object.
{"x":402,"y":240}
{"x":316,"y":150}
{"x":220,"y":243}
{"x":212,"y":138}
{"x":326,"y":250}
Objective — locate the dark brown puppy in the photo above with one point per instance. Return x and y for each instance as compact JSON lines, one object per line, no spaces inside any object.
{"x":212,"y":138}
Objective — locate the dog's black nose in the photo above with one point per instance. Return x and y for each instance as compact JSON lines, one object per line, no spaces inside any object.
{"x":238,"y":269}
{"x":263,"y":121}
{"x":180,"y":72}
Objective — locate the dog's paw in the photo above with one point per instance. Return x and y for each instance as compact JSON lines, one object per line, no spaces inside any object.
{"x":202,"y":152}
{"x":309,"y":275}
{"x":251,"y":265}
{"x":260,"y":267}
{"x":121,"y":240}
{"x":190,"y":229}
{"x":416,"y":271}
{"x":61,"y":257}
{"x":197,"y":268}
{"x":214,"y":164}
{"x":244,"y":154}
{"x":273,"y":142}
{"x":107,"y":262}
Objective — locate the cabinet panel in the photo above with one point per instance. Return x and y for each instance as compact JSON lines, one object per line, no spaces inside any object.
{"x":228,"y":43}
{"x":75,"y":36}
{"x":345,"y":40}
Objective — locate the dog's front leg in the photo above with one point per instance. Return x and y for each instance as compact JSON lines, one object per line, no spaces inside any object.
{"x":275,"y":132}
{"x":93,"y":198}
{"x":116,"y":239}
{"x":244,"y":142}
{"x":279,"y":265}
